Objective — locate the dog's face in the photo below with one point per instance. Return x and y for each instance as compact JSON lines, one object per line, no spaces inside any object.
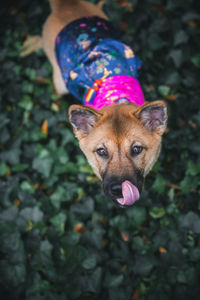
{"x":121,"y":142}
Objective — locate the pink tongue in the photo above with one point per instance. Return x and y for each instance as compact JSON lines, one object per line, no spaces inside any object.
{"x":130,"y":193}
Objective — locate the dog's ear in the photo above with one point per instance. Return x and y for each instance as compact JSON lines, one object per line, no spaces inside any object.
{"x":83,"y":119}
{"x":153,"y":116}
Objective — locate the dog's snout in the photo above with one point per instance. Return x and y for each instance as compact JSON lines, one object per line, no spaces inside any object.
{"x":116,"y":189}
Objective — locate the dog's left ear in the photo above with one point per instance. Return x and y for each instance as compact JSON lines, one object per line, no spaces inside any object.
{"x":83,"y":119}
{"x":153,"y":116}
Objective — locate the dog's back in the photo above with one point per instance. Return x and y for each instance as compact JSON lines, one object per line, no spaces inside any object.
{"x":63,"y":13}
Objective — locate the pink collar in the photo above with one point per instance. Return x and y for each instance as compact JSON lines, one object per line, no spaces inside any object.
{"x":114,"y":89}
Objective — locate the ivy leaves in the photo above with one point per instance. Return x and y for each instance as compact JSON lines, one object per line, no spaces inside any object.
{"x":60,"y":237}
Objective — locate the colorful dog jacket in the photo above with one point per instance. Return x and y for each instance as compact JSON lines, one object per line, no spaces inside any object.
{"x":97,"y":68}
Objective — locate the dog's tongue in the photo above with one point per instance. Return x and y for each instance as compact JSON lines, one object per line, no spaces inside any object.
{"x":130,"y":193}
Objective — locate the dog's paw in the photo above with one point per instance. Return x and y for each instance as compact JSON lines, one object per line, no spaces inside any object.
{"x":30,"y":45}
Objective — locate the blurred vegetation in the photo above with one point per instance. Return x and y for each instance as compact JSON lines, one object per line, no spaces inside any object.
{"x":60,"y":237}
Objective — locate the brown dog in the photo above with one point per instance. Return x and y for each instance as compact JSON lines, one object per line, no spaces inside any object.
{"x":122,"y":141}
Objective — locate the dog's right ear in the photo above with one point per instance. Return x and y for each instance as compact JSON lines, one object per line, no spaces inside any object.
{"x":153,"y":115}
{"x":83,"y":119}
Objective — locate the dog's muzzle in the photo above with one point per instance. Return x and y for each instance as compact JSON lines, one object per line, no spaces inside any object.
{"x":124,"y":193}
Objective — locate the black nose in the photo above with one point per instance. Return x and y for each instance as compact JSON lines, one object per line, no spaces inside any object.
{"x":116,"y":190}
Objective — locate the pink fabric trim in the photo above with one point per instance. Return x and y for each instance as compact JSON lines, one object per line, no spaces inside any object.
{"x":114,"y":88}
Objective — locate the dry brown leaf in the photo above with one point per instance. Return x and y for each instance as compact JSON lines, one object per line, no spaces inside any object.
{"x":125,"y":237}
{"x":17,"y":202}
{"x":192,"y":124}
{"x":125,"y":4}
{"x":171,"y":97}
{"x":174,"y":186}
{"x":162,"y":250}
{"x":192,"y":24}
{"x":123,"y":25}
{"x":136,"y":294}
{"x":44,"y":127}
{"x":79,"y":228}
{"x":181,"y":123}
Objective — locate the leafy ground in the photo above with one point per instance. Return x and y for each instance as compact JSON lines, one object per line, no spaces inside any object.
{"x":60,"y":237}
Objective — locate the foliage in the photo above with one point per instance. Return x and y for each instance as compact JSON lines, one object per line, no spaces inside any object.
{"x":60,"y":237}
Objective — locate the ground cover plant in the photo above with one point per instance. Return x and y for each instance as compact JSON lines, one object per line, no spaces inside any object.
{"x":60,"y":238}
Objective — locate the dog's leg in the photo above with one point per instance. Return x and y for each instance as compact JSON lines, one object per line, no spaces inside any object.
{"x":63,"y":12}
{"x":50,"y":30}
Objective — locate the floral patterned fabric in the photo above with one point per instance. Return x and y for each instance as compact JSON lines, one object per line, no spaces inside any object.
{"x":88,"y":50}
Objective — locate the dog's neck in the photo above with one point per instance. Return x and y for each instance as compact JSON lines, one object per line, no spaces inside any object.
{"x":114,"y":89}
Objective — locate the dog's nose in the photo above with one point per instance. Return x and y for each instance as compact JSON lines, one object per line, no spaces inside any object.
{"x":116,"y":190}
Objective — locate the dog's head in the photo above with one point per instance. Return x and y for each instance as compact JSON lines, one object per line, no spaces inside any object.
{"x":121,"y":142}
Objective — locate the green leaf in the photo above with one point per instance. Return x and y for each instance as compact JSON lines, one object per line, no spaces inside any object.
{"x":115,"y":280}
{"x":177,"y":56}
{"x":180,"y":37}
{"x":62,"y":155}
{"x":190,"y":221}
{"x":4,"y":169}
{"x":196,"y":226}
{"x":11,"y":156}
{"x":193,"y":168}
{"x":196,"y":60}
{"x":90,"y":262}
{"x":95,"y":280}
{"x":9,"y":214}
{"x":61,"y":169}
{"x":26,"y":103}
{"x":46,"y":247}
{"x":195,"y":254}
{"x":27,"y":87}
{"x":70,"y":240}
{"x":171,"y":194}
{"x":33,"y":214}
{"x":190,"y":15}
{"x":12,"y":275}
{"x":9,"y":233}
{"x":173,"y":78}
{"x":37,"y":286}
{"x":58,"y":222}
{"x":4,"y":135}
{"x":43,"y":165}
{"x":189,"y":183}
{"x":136,"y":215}
{"x":144,"y":264}
{"x":71,"y":168}
{"x":159,"y":184}
{"x":138,"y":243}
{"x":164,"y":90}
{"x":19,"y":167}
{"x":155,"y":42}
{"x":120,"y":293}
{"x":156,"y":167}
{"x":157,"y":212}
{"x":186,"y":276}
{"x":172,"y":209}
{"x":83,"y":208}
{"x":26,"y":186}
{"x":31,"y":73}
{"x":60,"y":195}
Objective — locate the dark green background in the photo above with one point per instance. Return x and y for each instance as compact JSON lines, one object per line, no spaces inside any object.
{"x":150,"y":251}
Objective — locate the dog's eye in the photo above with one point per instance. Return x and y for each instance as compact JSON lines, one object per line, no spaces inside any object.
{"x":135,"y":150}
{"x":102,"y":152}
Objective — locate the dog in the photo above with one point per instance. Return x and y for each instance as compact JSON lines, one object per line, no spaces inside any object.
{"x":119,"y":133}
